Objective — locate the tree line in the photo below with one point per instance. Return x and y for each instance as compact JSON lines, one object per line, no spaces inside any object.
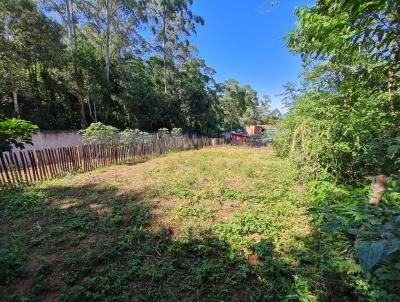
{"x":127,"y":63}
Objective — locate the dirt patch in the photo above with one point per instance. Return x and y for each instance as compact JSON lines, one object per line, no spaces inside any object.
{"x":254,"y":260}
{"x":226,"y":211}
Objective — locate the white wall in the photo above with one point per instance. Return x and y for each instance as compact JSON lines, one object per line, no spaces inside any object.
{"x":43,"y":139}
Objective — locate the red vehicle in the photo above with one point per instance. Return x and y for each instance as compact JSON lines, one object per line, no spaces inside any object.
{"x":236,"y":137}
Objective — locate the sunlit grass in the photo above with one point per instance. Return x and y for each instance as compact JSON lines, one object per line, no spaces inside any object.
{"x":225,"y":223}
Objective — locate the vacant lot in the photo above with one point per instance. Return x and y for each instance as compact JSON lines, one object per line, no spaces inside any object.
{"x":218,"y":224}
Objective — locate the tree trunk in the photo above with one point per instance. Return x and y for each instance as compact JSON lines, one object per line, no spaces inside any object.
{"x":389,"y":87}
{"x":95,"y":112}
{"x":70,"y":23}
{"x":80,"y":96}
{"x":82,"y":111}
{"x":78,"y":72}
{"x":165,"y":75}
{"x":379,"y":186}
{"x":16,"y":105}
{"x":108,"y":33}
{"x":164,"y":49}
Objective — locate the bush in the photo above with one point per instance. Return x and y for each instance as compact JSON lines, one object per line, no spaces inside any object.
{"x":128,"y":136}
{"x":393,"y":157}
{"x":98,"y":133}
{"x":146,"y":137}
{"x":372,"y":232}
{"x":175,"y":132}
{"x":163,"y":133}
{"x":15,"y":132}
{"x":348,"y":143}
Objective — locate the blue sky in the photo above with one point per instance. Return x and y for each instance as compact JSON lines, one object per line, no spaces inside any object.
{"x":241,"y":42}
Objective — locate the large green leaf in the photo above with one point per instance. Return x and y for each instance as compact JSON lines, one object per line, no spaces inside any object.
{"x":393,"y":149}
{"x":369,"y":254}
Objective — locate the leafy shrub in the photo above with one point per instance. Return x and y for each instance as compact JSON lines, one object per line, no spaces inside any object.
{"x":348,"y":143}
{"x":146,"y":137}
{"x":15,"y":132}
{"x":163,"y":133}
{"x":128,"y":136}
{"x":372,"y":232}
{"x":98,"y":133}
{"x":175,"y":132}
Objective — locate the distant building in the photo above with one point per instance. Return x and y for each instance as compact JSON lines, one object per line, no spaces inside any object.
{"x":259,"y":129}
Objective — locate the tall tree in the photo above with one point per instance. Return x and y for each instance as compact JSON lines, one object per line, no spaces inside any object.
{"x":264,"y":107}
{"x":66,"y":9}
{"x":28,"y":43}
{"x":236,"y":102}
{"x":172,"y":24}
{"x":74,"y":61}
{"x":290,"y":95}
{"x":112,"y":26}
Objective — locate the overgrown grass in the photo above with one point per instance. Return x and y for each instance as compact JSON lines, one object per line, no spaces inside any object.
{"x":219,"y":224}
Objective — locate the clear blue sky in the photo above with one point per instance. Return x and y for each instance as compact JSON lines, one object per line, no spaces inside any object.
{"x":241,"y":42}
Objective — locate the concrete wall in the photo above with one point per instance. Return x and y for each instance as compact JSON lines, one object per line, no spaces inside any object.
{"x":43,"y":139}
{"x":46,"y":139}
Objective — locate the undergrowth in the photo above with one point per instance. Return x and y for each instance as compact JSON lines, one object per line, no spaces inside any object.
{"x":370,"y":234}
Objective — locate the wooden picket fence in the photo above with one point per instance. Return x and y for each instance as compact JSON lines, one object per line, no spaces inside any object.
{"x":32,"y":166}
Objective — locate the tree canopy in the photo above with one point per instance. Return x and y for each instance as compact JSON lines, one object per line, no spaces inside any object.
{"x":347,"y":112}
{"x":129,"y":64}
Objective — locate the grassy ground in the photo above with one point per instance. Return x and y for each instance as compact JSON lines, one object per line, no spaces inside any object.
{"x":218,"y":224}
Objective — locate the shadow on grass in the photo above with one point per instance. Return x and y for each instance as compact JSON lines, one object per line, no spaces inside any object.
{"x":86,"y":243}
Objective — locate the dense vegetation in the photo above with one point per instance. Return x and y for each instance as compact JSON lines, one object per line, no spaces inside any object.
{"x":343,"y":129}
{"x":129,"y":64}
{"x":15,"y":133}
{"x":348,"y":112}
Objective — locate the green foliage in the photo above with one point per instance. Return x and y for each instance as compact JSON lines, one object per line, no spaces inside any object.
{"x":163,"y":133}
{"x":268,"y":134}
{"x":290,"y":95}
{"x":250,"y":117}
{"x":372,"y":232}
{"x":15,"y":132}
{"x":128,"y":136}
{"x":345,"y":142}
{"x":72,"y":83}
{"x":341,"y":128}
{"x":347,"y":113}
{"x":239,"y":105}
{"x":176,"y":132}
{"x":146,"y":137}
{"x":64,"y":85}
{"x":33,"y":57}
{"x":97,"y":133}
{"x":369,"y":254}
{"x":393,"y":156}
